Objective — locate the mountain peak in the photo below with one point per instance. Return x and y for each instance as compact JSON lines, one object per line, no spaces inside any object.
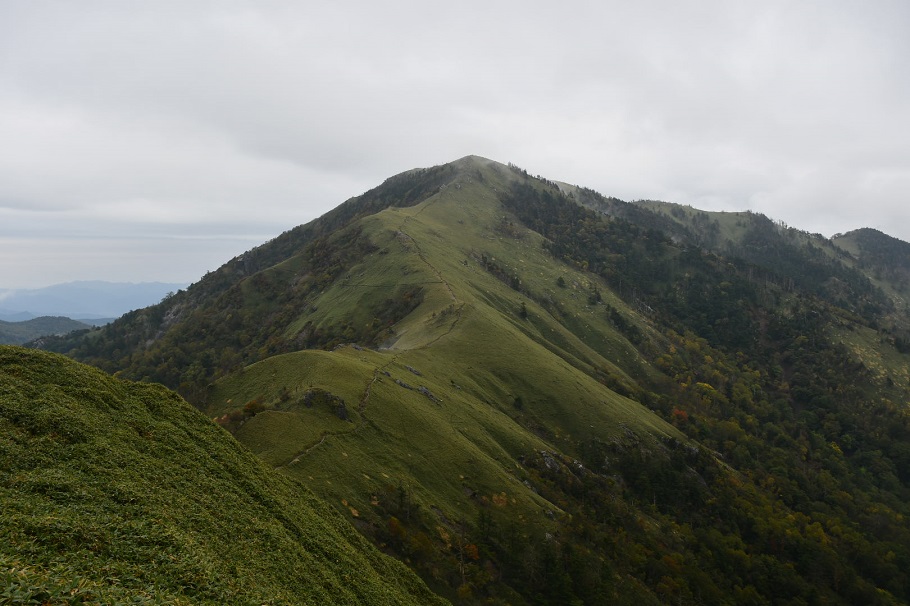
{"x":475,"y":161}
{"x":468,"y":342}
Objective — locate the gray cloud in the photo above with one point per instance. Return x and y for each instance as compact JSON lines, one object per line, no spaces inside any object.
{"x":205,"y":126}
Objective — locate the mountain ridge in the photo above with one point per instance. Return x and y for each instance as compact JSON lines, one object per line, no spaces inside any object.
{"x":467,"y":360}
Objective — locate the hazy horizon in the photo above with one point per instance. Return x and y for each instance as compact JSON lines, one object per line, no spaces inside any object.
{"x":157,"y":141}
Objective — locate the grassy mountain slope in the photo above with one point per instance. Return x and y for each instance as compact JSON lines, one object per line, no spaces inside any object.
{"x":17,"y":333}
{"x":476,"y":377}
{"x":534,"y":394}
{"x":121,"y":492}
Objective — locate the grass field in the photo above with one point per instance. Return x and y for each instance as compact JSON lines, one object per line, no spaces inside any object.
{"x":118,"y":492}
{"x":465,"y":385}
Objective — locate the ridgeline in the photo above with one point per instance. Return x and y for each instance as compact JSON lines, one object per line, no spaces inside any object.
{"x":533,"y":394}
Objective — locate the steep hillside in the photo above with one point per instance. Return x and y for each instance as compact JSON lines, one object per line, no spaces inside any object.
{"x":885,"y":258}
{"x":810,"y":262}
{"x":534,"y":394}
{"x":863,"y":273}
{"x":117,"y":492}
{"x":16,"y":333}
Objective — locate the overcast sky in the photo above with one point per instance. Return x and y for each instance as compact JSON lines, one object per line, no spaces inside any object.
{"x":146,"y":141}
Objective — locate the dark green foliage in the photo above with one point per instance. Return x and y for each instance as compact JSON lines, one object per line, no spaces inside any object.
{"x":761,"y":383}
{"x":323,"y":399}
{"x":689,"y":288}
{"x":502,"y":274}
{"x":384,"y":316}
{"x":117,"y":492}
{"x":790,"y":264}
{"x":886,"y":257}
{"x":628,"y":329}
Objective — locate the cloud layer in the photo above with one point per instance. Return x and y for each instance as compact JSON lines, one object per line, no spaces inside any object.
{"x":156,"y":140}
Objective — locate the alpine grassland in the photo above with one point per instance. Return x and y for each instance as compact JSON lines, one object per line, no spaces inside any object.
{"x":530,"y":393}
{"x":116,"y":492}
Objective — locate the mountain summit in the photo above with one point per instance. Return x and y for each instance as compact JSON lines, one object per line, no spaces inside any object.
{"x":532,"y":393}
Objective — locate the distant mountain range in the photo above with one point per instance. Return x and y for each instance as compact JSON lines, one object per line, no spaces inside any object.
{"x":83,"y":300}
{"x":16,"y":333}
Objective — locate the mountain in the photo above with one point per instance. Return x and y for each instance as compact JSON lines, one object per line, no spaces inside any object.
{"x":17,"y":316}
{"x":822,"y":266}
{"x":16,"y":333}
{"x":85,"y":300}
{"x":116,"y":492}
{"x":887,"y":259}
{"x":531,"y":393}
